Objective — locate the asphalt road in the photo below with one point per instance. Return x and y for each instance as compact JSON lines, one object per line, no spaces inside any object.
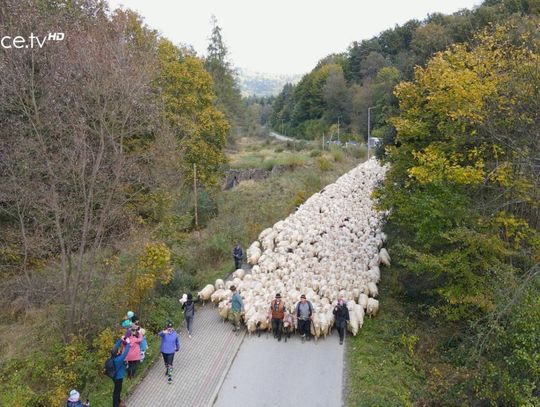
{"x":268,"y":373}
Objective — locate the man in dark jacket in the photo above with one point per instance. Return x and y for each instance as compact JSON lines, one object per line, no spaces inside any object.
{"x":342,"y":318}
{"x":188,"y":308}
{"x":237,"y":255}
{"x":304,"y":314}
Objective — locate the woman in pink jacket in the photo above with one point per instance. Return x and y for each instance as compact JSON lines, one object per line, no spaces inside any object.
{"x":134,"y":355}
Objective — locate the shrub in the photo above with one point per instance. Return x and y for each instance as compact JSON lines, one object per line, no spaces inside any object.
{"x":337,"y":154}
{"x":294,"y":161}
{"x":299,"y":198}
{"x":269,"y":164}
{"x":315,"y":153}
{"x":324,"y":164}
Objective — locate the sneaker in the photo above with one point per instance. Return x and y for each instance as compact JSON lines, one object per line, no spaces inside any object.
{"x":189,"y":336}
{"x":234,"y":329}
{"x":303,"y":338}
{"x":341,"y":342}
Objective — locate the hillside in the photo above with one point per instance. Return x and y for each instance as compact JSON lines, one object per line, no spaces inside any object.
{"x":263,"y":84}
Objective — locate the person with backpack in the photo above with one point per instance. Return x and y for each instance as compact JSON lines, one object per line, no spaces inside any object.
{"x":74,"y":400}
{"x":341,"y":313}
{"x":188,"y":308}
{"x":117,"y":370}
{"x":237,"y":255}
{"x":170,"y":344}
{"x":304,"y":314}
{"x":277,"y":313}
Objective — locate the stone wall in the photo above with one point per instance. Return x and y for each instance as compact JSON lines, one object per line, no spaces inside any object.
{"x":234,"y":177}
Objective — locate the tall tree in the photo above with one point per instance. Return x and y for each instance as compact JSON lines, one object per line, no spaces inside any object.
{"x":229,"y":98}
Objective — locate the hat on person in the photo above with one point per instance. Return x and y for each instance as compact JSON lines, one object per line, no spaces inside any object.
{"x":278,"y":295}
{"x":233,"y":288}
{"x":130,"y":314}
{"x":303,"y":296}
{"x":189,"y":296}
{"x":74,"y":395}
{"x":169,"y":324}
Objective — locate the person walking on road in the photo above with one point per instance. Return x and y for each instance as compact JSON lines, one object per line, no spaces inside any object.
{"x":304,"y":314}
{"x":188,"y":308}
{"x":341,"y":314}
{"x":238,"y":254}
{"x":170,"y":344}
{"x":237,"y":308}
{"x":121,"y":350}
{"x":277,"y":313}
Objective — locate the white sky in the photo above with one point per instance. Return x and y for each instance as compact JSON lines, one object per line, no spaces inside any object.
{"x":282,"y":36}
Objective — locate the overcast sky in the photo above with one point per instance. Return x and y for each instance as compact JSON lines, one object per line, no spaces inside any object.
{"x":282,"y":36}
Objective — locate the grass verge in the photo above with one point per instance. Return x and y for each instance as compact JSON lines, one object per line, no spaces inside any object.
{"x":381,"y":361}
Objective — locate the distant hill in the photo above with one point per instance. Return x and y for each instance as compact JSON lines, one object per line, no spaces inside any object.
{"x":263,"y":84}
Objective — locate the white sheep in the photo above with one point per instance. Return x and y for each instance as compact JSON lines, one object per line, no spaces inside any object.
{"x":385,"y":257}
{"x":372,"y":307}
{"x":206,"y":292}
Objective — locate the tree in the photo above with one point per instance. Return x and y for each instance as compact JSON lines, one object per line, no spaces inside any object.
{"x":463,"y":188}
{"x":336,"y":96}
{"x":69,"y":114}
{"x":229,"y":99}
{"x":188,"y":104}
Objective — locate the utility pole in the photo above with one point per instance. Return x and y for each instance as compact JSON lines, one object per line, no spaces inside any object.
{"x":369,"y":127}
{"x":195,"y":195}
{"x":338,"y":118}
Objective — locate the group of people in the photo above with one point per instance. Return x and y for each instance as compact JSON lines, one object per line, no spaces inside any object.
{"x":130,"y":349}
{"x":280,"y":318}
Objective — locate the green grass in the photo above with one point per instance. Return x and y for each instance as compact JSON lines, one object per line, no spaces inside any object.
{"x":381,"y":360}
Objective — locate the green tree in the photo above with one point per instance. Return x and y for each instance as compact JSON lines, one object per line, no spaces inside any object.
{"x":188,"y":105}
{"x":229,"y":99}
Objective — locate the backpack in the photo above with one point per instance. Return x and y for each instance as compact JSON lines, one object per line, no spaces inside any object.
{"x":110,"y":367}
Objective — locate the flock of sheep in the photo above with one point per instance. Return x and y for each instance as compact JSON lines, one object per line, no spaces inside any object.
{"x":331,"y":247}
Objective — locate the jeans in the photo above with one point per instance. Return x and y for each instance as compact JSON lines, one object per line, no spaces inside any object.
{"x":116,"y":392}
{"x":304,"y":327}
{"x":341,"y":329}
{"x":168,"y":358}
{"x":237,"y":263}
{"x":189,"y":323}
{"x":277,"y":327}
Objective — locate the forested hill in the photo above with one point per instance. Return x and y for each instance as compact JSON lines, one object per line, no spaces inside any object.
{"x":263,"y":84}
{"x":456,"y":100}
{"x":342,"y":86}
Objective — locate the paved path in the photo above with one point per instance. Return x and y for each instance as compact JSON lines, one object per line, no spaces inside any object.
{"x":200,"y":366}
{"x":268,"y":373}
{"x":282,"y":137}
